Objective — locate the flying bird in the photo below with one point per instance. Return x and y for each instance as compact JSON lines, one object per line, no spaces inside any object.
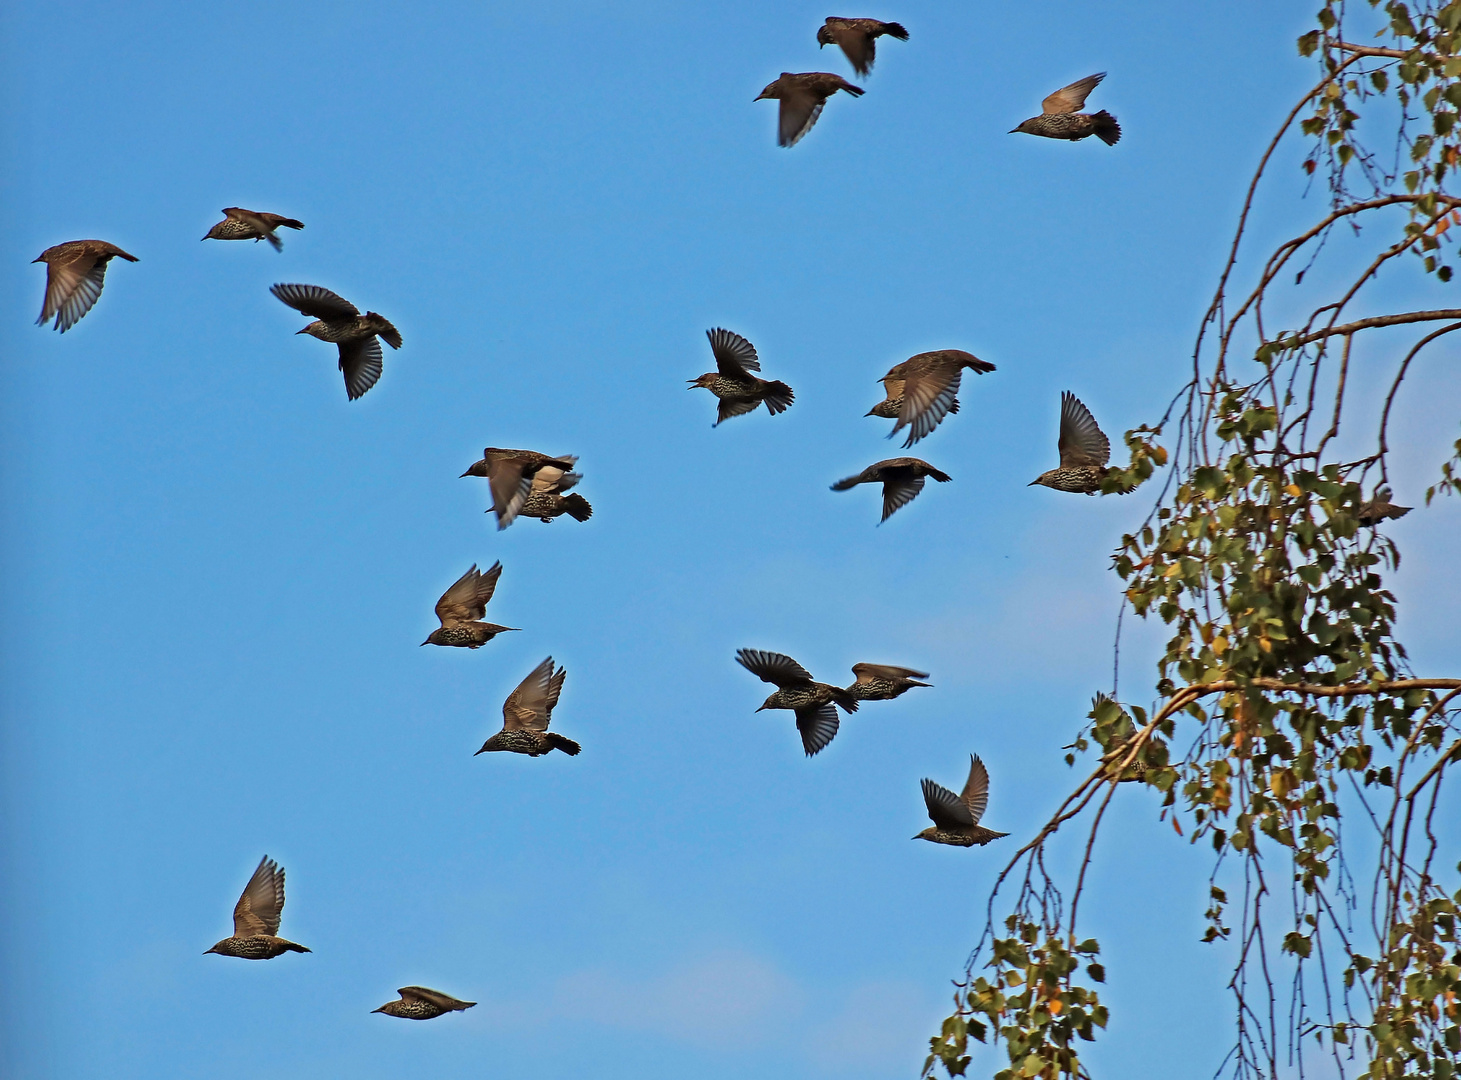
{"x":1380,"y":508}
{"x":461,"y":608}
{"x":256,"y":918}
{"x":74,"y":273}
{"x":883,"y":682}
{"x":802,"y":98}
{"x":956,"y":817}
{"x":1084,"y":451}
{"x":902,"y":479}
{"x":510,"y":475}
{"x":739,"y":391}
{"x":422,"y":1003}
{"x":1061,"y":117}
{"x":546,"y":500}
{"x":527,"y":713}
{"x":255,"y":225}
{"x":339,"y":322}
{"x":923,"y":389}
{"x":812,"y":702}
{"x":858,"y":39}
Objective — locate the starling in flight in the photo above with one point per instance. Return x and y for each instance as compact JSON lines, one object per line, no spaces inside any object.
{"x":902,"y":479}
{"x":923,"y":389}
{"x":256,"y":918}
{"x":858,"y":39}
{"x":546,"y":500}
{"x":527,"y":713}
{"x":1379,"y":508}
{"x":74,"y":272}
{"x":816,"y":715}
{"x":420,"y":1003}
{"x":956,"y":817}
{"x":739,"y":391}
{"x":883,"y":682}
{"x":255,"y":225}
{"x":802,"y":97}
{"x":510,"y":475}
{"x":339,"y":322}
{"x":1084,"y":451}
{"x":462,"y":606}
{"x":1061,"y":117}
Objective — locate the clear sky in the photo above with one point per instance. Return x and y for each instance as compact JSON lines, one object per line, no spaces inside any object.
{"x":218,"y":571}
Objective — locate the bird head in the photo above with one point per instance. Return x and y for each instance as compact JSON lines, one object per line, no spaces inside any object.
{"x":492,"y":744}
{"x":926,"y":834}
{"x":1024,"y":126}
{"x":772,"y":89}
{"x":479,"y":468}
{"x":769,"y":703}
{"x":314,"y":329}
{"x":824,"y":36}
{"x":1043,"y":479}
{"x":432,"y":639}
{"x":215,"y":949}
{"x":704,"y":380}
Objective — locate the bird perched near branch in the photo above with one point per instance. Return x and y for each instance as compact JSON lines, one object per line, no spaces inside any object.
{"x":546,"y":500}
{"x":884,"y":682}
{"x":857,"y":38}
{"x":339,"y":322}
{"x":255,"y":225}
{"x":422,"y":1003}
{"x":956,"y":817}
{"x":510,"y":475}
{"x":802,"y":98}
{"x":739,"y":391}
{"x":813,"y":703}
{"x":902,"y":479}
{"x":74,"y":274}
{"x":1084,"y":451}
{"x":1061,"y":117}
{"x":256,"y":918}
{"x":1380,"y":508}
{"x":527,"y":713}
{"x":923,"y":389}
{"x":462,"y":606}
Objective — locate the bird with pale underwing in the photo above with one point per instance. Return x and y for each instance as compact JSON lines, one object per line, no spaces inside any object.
{"x":526,"y":714}
{"x":256,"y":918}
{"x":923,"y":389}
{"x":803,"y":96}
{"x":74,"y":275}
{"x":461,"y":608}
{"x":546,"y":500}
{"x":510,"y":474}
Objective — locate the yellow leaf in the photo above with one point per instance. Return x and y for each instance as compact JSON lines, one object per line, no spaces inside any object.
{"x":1294,"y":490}
{"x":1219,"y":645}
{"x":1054,"y":1005}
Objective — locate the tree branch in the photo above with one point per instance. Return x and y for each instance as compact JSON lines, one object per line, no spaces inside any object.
{"x":1299,"y":340}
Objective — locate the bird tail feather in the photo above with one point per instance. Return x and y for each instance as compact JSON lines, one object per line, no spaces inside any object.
{"x":778,"y":397}
{"x":1107,"y":129}
{"x":558,"y":742}
{"x":578,"y":507}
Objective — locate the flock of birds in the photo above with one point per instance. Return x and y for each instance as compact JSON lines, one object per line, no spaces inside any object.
{"x":919,"y":393}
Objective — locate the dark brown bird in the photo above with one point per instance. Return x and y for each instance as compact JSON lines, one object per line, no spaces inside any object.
{"x":527,"y":713}
{"x":1061,"y":117}
{"x":339,"y":322}
{"x":902,"y":479}
{"x":421,"y":1003}
{"x":546,"y":500}
{"x":74,"y":273}
{"x":462,"y":606}
{"x":812,"y":702}
{"x":739,"y":391}
{"x":1084,"y":451}
{"x":923,"y":389}
{"x":510,"y":475}
{"x":883,"y":682}
{"x":857,"y":38}
{"x":1380,"y":508}
{"x":956,"y":817}
{"x":802,"y":98}
{"x":255,"y":225}
{"x":256,"y":918}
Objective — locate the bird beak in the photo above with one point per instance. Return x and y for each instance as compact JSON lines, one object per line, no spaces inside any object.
{"x":1011,"y":131}
{"x":1032,"y":483}
{"x":758,"y":97}
{"x":870,"y":411}
{"x":299,"y":331}
{"x":467,"y":473}
{"x":761,"y":709}
{"x":381,"y":1009}
{"x":916,"y":837}
{"x":426,"y":642}
{"x":693,"y":382}
{"x":481,"y":751}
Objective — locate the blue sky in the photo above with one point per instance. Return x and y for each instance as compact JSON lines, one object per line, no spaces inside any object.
{"x":218,"y":570}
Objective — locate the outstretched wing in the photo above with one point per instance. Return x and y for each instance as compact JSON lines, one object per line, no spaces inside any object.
{"x":257,"y":911}
{"x":799,"y":111}
{"x":773,"y":667}
{"x":929,"y":393}
{"x":361,"y":363}
{"x":899,"y":493}
{"x":734,"y":356}
{"x":315,"y":301}
{"x":1069,"y":99}
{"x":434,"y":997}
{"x":818,"y":727}
{"x":466,"y":600}
{"x":868,"y":672}
{"x":1081,"y":441}
{"x":976,"y":790}
{"x":527,"y":708}
{"x":944,"y":807}
{"x":72,"y":287}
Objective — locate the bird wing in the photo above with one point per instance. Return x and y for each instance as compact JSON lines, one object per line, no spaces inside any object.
{"x":432,"y":997}
{"x":800,"y":108}
{"x":868,"y":672}
{"x":1069,"y":99}
{"x":976,"y":790}
{"x":510,"y":485}
{"x":773,"y":667}
{"x":276,"y":220}
{"x":899,"y":493}
{"x":730,"y":407}
{"x":818,"y":727}
{"x":944,"y":807}
{"x":527,"y":707}
{"x":466,"y":600}
{"x":856,"y":43}
{"x":1081,"y":441}
{"x":361,"y":362}
{"x":257,"y":910}
{"x":553,"y":478}
{"x":315,"y":301}
{"x":929,"y":392}
{"x":734,"y":355}
{"x":72,"y":285}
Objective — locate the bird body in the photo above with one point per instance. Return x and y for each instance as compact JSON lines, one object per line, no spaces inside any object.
{"x":255,"y":225}
{"x":923,"y":389}
{"x":256,"y":918}
{"x":1061,"y":117}
{"x":423,"y":1003}
{"x":75,"y":272}
{"x":883,"y":682}
{"x":546,"y":500}
{"x":1084,"y":451}
{"x":902,"y":479}
{"x":1380,"y":508}
{"x":339,"y":322}
{"x":803,"y":96}
{"x":461,"y":608}
{"x":956,"y":817}
{"x":739,"y":391}
{"x":815,"y":704}
{"x":857,"y":39}
{"x":526,"y":714}
{"x":511,"y":475}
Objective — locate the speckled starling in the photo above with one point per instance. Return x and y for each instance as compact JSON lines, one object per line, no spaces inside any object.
{"x":956,"y":817}
{"x":812,"y":702}
{"x":883,"y":682}
{"x":510,"y":475}
{"x":802,"y":98}
{"x":739,"y":391}
{"x":1380,"y":508}
{"x":339,"y":322}
{"x":1084,"y":451}
{"x":857,"y":38}
{"x":527,"y":713}
{"x":902,"y":479}
{"x":422,"y":1003}
{"x":74,"y":273}
{"x":255,"y":225}
{"x":462,"y":606}
{"x":923,"y":389}
{"x":546,"y":500}
{"x":1061,"y":117}
{"x":256,"y":918}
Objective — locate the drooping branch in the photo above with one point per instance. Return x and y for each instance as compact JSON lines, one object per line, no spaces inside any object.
{"x":1298,"y":341}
